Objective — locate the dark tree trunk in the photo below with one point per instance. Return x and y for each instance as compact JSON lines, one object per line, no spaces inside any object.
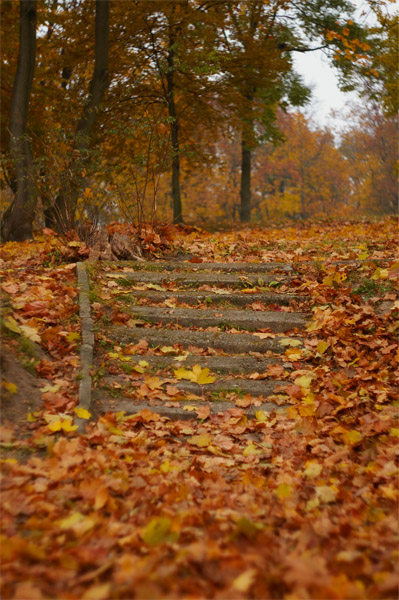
{"x":245,"y":191}
{"x":247,"y":145}
{"x":174,"y":132}
{"x":17,"y":221}
{"x":61,"y":216}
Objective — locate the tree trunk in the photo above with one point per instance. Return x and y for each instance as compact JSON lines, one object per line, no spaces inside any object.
{"x":61,"y":216}
{"x":174,"y":132}
{"x":245,"y":191}
{"x":17,"y":220}
{"x":247,"y":145}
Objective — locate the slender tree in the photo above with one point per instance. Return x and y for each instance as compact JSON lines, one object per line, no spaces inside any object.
{"x":258,"y":40}
{"x":62,"y":214}
{"x":17,"y":220}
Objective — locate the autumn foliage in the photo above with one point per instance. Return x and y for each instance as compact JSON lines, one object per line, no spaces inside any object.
{"x":192,"y":115}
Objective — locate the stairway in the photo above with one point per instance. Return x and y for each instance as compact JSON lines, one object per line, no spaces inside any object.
{"x":235,"y":319}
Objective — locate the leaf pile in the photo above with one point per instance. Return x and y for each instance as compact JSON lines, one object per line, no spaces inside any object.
{"x":290,"y":505}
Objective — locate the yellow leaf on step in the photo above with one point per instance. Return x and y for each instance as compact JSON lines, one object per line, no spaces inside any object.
{"x":82,"y":413}
{"x":293,"y":354}
{"x":62,"y":425}
{"x":168,"y":349}
{"x":10,"y":387}
{"x":197,"y":375}
{"x":290,"y":342}
{"x":202,"y":375}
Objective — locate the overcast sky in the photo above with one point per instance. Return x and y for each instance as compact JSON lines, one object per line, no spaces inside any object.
{"x":321,"y":77}
{"x":317,"y":73}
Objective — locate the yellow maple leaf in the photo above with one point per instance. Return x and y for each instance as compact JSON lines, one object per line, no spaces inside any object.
{"x":353,"y":437}
{"x":313,"y":469}
{"x":290,"y":342}
{"x":380,"y":274}
{"x":99,"y":591}
{"x":202,"y":375}
{"x":72,"y":336}
{"x":11,"y":324}
{"x":250,"y":450}
{"x":31,"y":333}
{"x":202,"y":440}
{"x":154,"y":383}
{"x":168,"y":350}
{"x":157,"y":531}
{"x":12,"y":388}
{"x":197,"y":375}
{"x":321,"y":347}
{"x":283,"y":491}
{"x":293,"y":353}
{"x":70,"y":521}
{"x":243,"y":582}
{"x":261,"y":416}
{"x":326,"y":493}
{"x":304,"y":381}
{"x":62,"y":425}
{"x":82,"y":413}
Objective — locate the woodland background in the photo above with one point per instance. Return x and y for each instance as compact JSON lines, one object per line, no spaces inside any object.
{"x":190,"y":110}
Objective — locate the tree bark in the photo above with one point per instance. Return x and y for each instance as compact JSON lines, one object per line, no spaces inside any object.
{"x":245,"y":191}
{"x":61,"y":216}
{"x":247,"y":145}
{"x":17,"y":220}
{"x":174,"y":132}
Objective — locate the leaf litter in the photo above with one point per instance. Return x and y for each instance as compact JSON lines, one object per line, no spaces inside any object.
{"x":300,"y":504}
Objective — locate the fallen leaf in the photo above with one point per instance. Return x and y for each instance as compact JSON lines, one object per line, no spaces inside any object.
{"x":326,"y":493}
{"x":82,"y":413}
{"x":290,"y":342}
{"x":283,"y":491}
{"x":313,"y":469}
{"x":202,"y":440}
{"x":100,"y":591}
{"x":12,"y":388}
{"x":243,"y":582}
{"x":197,"y":375}
{"x":157,"y":531}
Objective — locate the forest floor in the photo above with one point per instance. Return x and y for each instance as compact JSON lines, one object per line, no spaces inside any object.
{"x":190,"y":480}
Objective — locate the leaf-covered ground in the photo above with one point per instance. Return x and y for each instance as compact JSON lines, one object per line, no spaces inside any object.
{"x":296,"y":505}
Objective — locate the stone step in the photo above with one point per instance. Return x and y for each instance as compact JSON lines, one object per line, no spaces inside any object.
{"x":190,"y":278}
{"x":216,"y":364}
{"x":237,"y":343}
{"x":238,"y":385}
{"x":236,"y":298}
{"x":103,"y":403}
{"x":244,"y":319}
{"x":260,"y":267}
{"x":253,"y":387}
